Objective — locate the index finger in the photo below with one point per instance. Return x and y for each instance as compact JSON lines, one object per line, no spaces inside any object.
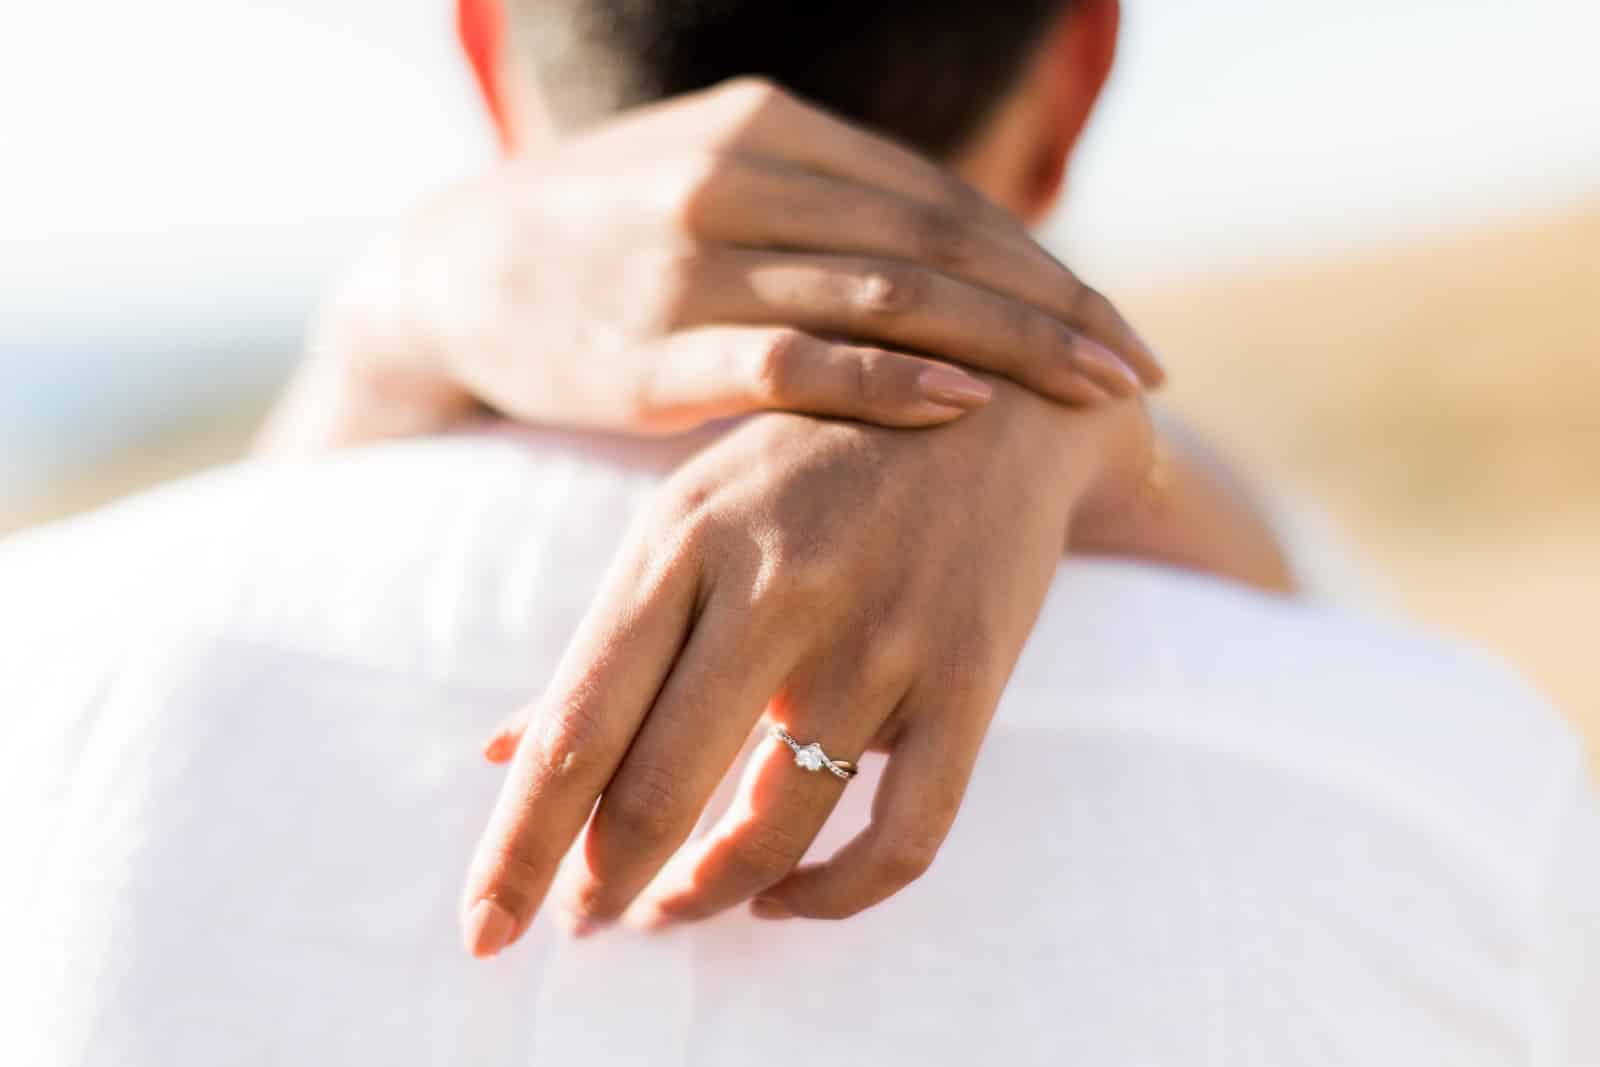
{"x":577,"y":736}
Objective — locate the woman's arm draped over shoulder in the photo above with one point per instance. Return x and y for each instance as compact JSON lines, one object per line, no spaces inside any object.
{"x":728,"y":252}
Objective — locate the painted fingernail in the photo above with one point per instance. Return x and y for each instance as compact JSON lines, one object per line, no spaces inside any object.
{"x":499,"y":748}
{"x":488,"y":929}
{"x":947,"y":385}
{"x":1100,"y":356}
{"x":768,"y":908}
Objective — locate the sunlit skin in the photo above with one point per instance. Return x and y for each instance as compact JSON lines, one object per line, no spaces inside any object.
{"x":739,"y":252}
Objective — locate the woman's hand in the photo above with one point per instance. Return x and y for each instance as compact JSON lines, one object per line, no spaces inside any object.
{"x":865,"y":588}
{"x":730,"y":251}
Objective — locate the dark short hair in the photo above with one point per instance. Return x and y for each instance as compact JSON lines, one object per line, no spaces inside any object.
{"x":926,"y":72}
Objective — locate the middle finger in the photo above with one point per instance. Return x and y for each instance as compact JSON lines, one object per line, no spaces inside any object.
{"x":692,"y":734}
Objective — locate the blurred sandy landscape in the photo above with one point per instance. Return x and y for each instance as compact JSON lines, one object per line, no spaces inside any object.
{"x":1439,"y":399}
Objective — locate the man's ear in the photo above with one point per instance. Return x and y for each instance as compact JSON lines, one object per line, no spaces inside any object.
{"x":1073,"y":70}
{"x":481,"y":25}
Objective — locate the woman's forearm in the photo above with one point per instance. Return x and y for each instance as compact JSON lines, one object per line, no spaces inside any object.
{"x":1195,"y":511}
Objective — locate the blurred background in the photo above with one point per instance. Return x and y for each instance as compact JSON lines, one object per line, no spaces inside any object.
{"x":1365,"y":235}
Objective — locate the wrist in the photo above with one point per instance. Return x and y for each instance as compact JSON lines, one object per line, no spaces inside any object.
{"x":1097,"y":463}
{"x":1127,"y":481}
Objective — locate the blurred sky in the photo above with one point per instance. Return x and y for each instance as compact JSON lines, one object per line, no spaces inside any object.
{"x":179,"y":176}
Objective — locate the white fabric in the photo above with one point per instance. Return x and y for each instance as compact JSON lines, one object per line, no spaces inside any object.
{"x":240,"y":723}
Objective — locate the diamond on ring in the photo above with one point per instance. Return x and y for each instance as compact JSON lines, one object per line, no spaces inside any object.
{"x":812,"y":758}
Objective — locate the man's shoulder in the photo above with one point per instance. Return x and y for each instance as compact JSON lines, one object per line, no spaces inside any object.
{"x":1426,"y":726}
{"x":362,"y":554}
{"x":475,"y":558}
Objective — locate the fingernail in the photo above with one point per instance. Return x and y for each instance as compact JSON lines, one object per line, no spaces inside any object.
{"x":947,"y":385}
{"x":489,"y":929}
{"x":1101,"y":356}
{"x":768,"y":908}
{"x":499,"y":749}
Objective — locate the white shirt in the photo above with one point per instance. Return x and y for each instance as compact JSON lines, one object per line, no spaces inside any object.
{"x":240,"y":725}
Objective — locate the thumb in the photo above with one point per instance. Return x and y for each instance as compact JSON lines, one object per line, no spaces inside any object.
{"x":720,"y":371}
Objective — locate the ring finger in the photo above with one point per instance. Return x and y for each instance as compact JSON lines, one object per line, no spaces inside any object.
{"x":780,"y":807}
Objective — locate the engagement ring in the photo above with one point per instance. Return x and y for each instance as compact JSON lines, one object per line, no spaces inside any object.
{"x":812,"y":758}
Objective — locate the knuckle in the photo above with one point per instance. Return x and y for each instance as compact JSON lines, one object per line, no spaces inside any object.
{"x":777,"y":364}
{"x":752,"y":94}
{"x":890,"y":291}
{"x":811,"y":577}
{"x":665,"y":550}
{"x":1037,"y":332}
{"x":1027,"y":335}
{"x":908,"y":859}
{"x":672,"y":512}
{"x":513,"y":880}
{"x":752,"y":90}
{"x":1087,"y":304}
{"x":705,"y":181}
{"x":964,"y":198}
{"x":675,"y":528}
{"x":1071,"y":347}
{"x":568,"y":735}
{"x":882,"y":379}
{"x":646,"y":803}
{"x":895,"y":656}
{"x":698,"y":538}
{"x":683,"y":537}
{"x":941,"y":236}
